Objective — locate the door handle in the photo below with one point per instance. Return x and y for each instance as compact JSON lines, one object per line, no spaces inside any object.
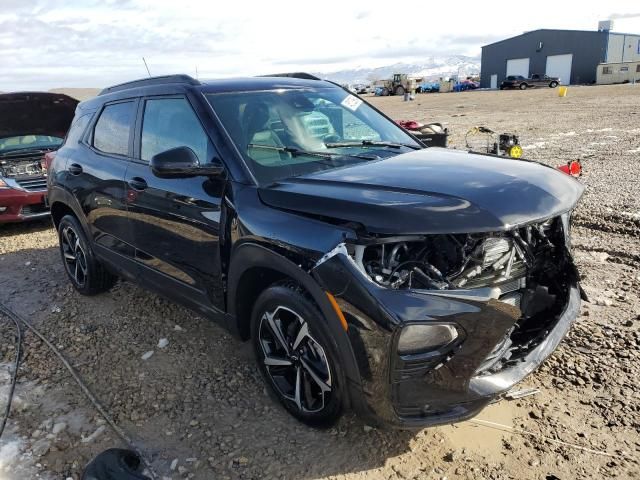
{"x":138,"y":183}
{"x":75,"y":169}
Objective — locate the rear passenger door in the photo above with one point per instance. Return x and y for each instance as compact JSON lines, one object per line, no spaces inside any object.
{"x":175,"y":222}
{"x":96,"y":176}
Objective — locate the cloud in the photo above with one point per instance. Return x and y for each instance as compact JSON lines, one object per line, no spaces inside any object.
{"x":619,"y":16}
{"x":94,"y":43}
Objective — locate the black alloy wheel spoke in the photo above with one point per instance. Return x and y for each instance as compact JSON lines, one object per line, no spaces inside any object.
{"x":75,"y":259}
{"x":295,"y":361}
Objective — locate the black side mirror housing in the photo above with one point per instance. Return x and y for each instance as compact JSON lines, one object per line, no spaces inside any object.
{"x":181,"y":162}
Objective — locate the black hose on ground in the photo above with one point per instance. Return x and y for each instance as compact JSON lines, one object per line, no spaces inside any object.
{"x":117,"y":430}
{"x":14,"y":377}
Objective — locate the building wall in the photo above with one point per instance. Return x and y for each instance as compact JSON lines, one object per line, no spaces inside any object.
{"x":588,"y":48}
{"x":618,"y":74}
{"x":629,"y":48}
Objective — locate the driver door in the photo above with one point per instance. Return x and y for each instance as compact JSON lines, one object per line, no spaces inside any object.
{"x":175,"y":222}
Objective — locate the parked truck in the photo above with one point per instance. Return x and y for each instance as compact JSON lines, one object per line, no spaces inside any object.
{"x":536,"y":80}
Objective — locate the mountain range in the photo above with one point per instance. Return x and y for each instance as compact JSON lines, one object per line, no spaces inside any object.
{"x":432,"y":68}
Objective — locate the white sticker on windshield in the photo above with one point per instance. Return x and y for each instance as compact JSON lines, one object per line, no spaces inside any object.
{"x":351,"y":102}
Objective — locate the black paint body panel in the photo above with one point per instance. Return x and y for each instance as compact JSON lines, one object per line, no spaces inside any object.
{"x":196,"y":240}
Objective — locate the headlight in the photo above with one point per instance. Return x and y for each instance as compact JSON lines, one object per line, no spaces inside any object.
{"x":423,"y":338}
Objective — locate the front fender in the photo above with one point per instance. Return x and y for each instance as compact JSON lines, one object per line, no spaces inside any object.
{"x":251,"y":255}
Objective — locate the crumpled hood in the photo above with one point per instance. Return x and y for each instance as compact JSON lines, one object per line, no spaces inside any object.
{"x":35,"y":113}
{"x":433,"y":190}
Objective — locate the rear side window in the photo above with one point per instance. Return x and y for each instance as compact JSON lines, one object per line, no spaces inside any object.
{"x":169,"y":123}
{"x":77,"y":129}
{"x":111,"y":134}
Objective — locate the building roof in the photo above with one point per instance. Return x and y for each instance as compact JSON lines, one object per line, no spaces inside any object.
{"x":558,"y":30}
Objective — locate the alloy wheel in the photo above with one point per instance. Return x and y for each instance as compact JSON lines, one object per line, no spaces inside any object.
{"x":295,"y":362}
{"x":75,"y":260}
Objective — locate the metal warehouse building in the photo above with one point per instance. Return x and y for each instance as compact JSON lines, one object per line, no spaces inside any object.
{"x":572,"y":55}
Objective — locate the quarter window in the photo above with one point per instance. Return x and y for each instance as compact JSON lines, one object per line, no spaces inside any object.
{"x":111,"y":134}
{"x":607,"y":70}
{"x":169,"y":123}
{"x":77,"y":129}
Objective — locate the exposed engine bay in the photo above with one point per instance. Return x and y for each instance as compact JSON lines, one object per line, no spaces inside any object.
{"x":23,"y":165}
{"x":529,"y":268}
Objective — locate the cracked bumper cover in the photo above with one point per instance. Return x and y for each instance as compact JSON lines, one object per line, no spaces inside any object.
{"x":400,"y":392}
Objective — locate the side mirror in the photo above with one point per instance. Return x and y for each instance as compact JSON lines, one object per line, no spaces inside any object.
{"x":180,"y":162}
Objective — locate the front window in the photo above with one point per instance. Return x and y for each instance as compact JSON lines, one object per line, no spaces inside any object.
{"x":169,"y":123}
{"x":30,"y":142}
{"x":288,"y":133}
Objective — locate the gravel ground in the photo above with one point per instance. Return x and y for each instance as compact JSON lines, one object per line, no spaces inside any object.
{"x":198,"y":407}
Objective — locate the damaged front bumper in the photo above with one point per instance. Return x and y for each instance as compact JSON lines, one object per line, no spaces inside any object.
{"x":449,"y":382}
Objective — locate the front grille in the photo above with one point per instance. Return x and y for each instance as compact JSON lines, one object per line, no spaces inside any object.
{"x":33,"y":184}
{"x":35,"y":209}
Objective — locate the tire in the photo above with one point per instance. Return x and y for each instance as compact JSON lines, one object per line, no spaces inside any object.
{"x":87,"y":275}
{"x":553,"y":84}
{"x":400,"y":90}
{"x":305,"y":378}
{"x":385,"y":92}
{"x":523,"y":86}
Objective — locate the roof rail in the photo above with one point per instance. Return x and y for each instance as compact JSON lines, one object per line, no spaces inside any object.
{"x":146,"y":82}
{"x":302,"y":75}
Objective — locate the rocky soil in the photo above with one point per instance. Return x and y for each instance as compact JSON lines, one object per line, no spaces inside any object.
{"x":198,"y":408}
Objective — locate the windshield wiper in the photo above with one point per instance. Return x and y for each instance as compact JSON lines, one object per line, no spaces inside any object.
{"x":297,"y":152}
{"x":371,"y":143}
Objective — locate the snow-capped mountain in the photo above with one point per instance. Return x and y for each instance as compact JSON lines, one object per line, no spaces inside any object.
{"x":431,"y":69}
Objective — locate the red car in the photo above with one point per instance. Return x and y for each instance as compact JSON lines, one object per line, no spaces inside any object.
{"x":32,"y":125}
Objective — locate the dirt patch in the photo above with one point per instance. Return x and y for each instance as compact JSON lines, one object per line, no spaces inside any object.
{"x":199,"y":403}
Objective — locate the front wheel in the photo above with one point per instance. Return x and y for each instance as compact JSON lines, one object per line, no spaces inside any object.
{"x":400,"y":91}
{"x":553,"y":84}
{"x":523,"y":86}
{"x":87,"y":275}
{"x":296,"y":355}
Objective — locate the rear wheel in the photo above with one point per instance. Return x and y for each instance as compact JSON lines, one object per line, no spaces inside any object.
{"x":523,"y":86}
{"x":85,"y":272}
{"x":296,"y":355}
{"x":400,"y":90}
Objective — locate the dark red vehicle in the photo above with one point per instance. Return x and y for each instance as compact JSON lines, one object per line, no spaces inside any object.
{"x":32,"y":125}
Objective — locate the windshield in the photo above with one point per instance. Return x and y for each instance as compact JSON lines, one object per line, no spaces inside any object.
{"x":30,"y":142}
{"x":283,"y":134}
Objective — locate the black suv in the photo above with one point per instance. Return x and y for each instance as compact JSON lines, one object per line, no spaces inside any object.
{"x":412,"y":285}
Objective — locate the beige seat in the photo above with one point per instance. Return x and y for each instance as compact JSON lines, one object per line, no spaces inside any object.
{"x":255,"y":119}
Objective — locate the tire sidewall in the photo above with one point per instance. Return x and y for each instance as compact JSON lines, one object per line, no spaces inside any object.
{"x":286,"y":296}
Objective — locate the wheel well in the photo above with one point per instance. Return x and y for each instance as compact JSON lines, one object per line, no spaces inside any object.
{"x":252,"y":283}
{"x":59,"y":210}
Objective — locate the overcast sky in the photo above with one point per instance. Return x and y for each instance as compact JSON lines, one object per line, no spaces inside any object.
{"x":94,"y":43}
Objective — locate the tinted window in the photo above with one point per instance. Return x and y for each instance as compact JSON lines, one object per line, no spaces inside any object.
{"x":169,"y":123}
{"x":111,"y":134}
{"x":77,"y":129}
